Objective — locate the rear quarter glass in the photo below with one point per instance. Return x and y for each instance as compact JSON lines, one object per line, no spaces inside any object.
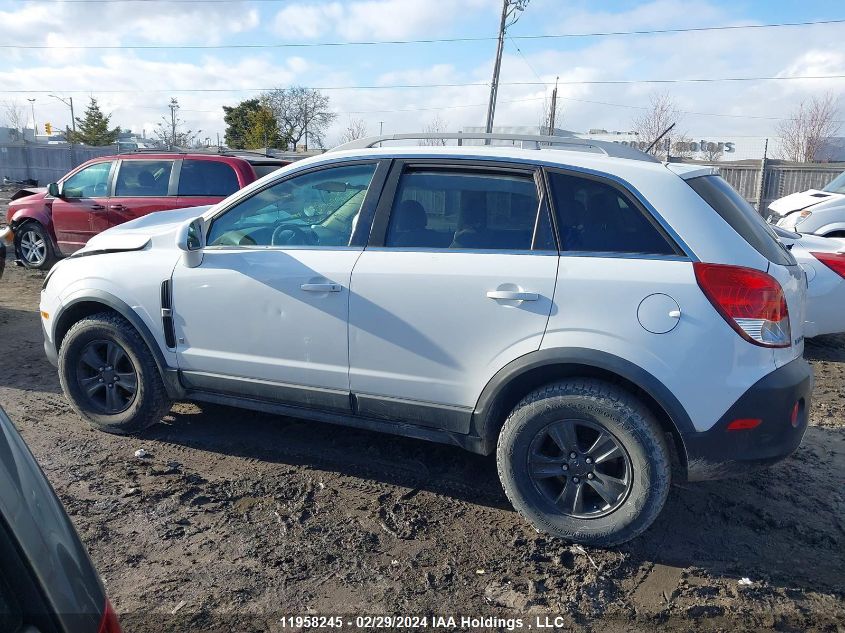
{"x":742,"y":218}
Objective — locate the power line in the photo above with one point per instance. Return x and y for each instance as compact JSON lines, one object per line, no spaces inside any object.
{"x":385,"y":42}
{"x":590,"y":82}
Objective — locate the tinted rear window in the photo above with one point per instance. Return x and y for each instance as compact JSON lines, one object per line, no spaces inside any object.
{"x":742,"y":217}
{"x":595,"y":217}
{"x":263,"y":170}
{"x":207,"y":178}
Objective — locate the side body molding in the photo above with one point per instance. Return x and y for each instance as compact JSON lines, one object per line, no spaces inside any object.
{"x":547,"y":365}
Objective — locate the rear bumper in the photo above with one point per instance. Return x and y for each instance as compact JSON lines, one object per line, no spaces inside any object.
{"x":719,"y":452}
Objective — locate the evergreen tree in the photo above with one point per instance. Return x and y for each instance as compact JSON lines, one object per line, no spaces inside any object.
{"x":93,"y":128}
{"x":263,"y":130}
{"x":238,"y":124}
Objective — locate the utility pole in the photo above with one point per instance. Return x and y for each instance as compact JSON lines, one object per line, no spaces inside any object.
{"x":174,"y":105}
{"x":553,"y":110}
{"x":511,"y":9}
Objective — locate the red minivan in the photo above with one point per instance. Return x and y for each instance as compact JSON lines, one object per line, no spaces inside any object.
{"x":110,"y":190}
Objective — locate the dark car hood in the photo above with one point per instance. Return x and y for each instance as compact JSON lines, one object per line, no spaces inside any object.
{"x":45,"y":536}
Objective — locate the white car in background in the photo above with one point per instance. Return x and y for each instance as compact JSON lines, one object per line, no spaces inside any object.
{"x":823,"y":260}
{"x":818,"y":211}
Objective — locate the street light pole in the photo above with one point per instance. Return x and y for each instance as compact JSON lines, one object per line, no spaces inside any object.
{"x":68,"y":102}
{"x":34,"y":125}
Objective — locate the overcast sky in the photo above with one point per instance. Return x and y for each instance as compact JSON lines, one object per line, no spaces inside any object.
{"x":148,"y":78}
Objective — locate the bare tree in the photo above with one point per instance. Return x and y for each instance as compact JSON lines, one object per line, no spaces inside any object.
{"x":355,"y":129}
{"x":436,"y":125}
{"x":13,"y":115}
{"x":545,"y":114}
{"x":804,"y":133}
{"x":712,"y":151}
{"x":302,"y":114}
{"x":170,"y":130}
{"x":660,"y":114}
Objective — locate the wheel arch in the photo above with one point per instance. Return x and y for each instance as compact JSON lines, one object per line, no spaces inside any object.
{"x":24,"y":217}
{"x":529,"y":372}
{"x":96,"y":301}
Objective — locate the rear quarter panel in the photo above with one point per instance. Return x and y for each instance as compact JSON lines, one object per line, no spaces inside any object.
{"x":702,"y":361}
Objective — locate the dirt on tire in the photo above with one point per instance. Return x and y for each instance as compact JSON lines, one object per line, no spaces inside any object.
{"x":236,"y":519}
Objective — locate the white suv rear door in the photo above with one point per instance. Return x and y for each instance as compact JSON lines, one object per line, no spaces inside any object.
{"x":457,"y":281}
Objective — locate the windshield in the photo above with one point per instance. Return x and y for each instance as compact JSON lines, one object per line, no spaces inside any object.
{"x":837,"y":185}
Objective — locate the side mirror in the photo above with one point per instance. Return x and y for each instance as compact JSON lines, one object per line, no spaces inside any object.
{"x":190,"y":237}
{"x":54,"y":190}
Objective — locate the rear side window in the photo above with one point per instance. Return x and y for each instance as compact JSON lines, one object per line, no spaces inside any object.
{"x":262,"y":169}
{"x":143,"y":178}
{"x":594,"y":216}
{"x":464,"y":210}
{"x":207,"y":178}
{"x":742,"y":217}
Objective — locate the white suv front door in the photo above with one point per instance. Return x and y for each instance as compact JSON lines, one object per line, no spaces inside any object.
{"x":265,"y":313}
{"x":457,"y":281}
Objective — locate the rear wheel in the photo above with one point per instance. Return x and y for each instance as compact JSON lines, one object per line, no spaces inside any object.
{"x":586,"y":461}
{"x":110,"y":376}
{"x":34,"y":246}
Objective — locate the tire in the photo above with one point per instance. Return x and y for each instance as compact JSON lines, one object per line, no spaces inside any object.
{"x":85,"y":375}
{"x":34,"y":247}
{"x":623,"y":481}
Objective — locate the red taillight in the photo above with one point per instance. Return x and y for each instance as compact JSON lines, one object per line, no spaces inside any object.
{"x":751,"y":301}
{"x":744,"y":424}
{"x":834,"y":261}
{"x":793,"y":418}
{"x":109,"y":623}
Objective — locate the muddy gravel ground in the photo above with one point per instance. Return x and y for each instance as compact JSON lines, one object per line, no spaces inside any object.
{"x":236,"y":519}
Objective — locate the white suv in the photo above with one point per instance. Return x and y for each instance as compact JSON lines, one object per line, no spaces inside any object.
{"x":599,"y":320}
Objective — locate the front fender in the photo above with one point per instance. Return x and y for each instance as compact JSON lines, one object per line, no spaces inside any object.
{"x":829,"y":228}
{"x":68,"y":308}
{"x":42,"y":215}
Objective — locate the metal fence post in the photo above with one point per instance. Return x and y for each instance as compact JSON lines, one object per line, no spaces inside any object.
{"x":761,"y":181}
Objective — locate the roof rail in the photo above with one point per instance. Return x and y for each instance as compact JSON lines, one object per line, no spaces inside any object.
{"x":535,"y":141}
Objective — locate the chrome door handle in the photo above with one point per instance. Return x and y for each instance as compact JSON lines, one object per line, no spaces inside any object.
{"x":96,"y":207}
{"x":117,"y":207}
{"x":512,"y":295}
{"x":321,"y":287}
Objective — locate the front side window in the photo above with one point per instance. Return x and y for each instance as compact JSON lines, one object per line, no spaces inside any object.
{"x":91,"y":182}
{"x":315,"y":209}
{"x":207,"y":178}
{"x":594,"y":216}
{"x":463,"y":210}
{"x":143,"y":178}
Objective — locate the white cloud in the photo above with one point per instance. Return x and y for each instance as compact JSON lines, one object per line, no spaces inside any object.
{"x":373,"y":19}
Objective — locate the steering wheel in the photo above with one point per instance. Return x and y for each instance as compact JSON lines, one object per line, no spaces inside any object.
{"x":99,"y":190}
{"x":288,"y":234}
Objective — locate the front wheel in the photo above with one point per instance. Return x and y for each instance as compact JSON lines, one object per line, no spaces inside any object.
{"x":585,"y":461}
{"x":34,"y":246}
{"x":110,"y":376}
